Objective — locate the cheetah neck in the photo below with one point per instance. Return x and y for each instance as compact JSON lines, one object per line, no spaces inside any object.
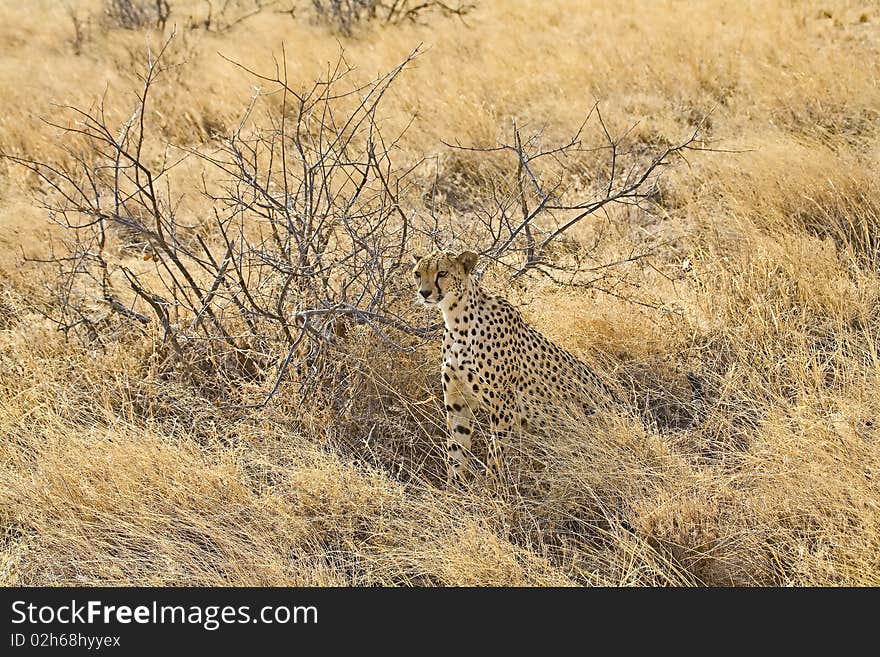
{"x":458,"y":309}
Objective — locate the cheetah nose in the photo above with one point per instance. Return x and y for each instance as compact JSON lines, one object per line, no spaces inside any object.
{"x":425,"y":293}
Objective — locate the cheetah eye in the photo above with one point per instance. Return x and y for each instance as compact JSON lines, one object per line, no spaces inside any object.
{"x":441,"y":274}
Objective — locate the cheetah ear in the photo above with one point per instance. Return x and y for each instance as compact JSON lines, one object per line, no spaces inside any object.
{"x":416,"y":258}
{"x":468,"y":260}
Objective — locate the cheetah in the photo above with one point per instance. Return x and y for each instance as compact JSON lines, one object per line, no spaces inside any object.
{"x":494,"y":363}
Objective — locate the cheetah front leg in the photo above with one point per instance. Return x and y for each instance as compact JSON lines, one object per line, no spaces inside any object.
{"x":460,"y":423}
{"x":504,"y":419}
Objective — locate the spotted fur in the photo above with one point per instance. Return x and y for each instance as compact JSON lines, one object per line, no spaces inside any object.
{"x":495,"y":363}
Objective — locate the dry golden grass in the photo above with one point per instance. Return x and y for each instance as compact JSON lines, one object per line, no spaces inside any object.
{"x":111,"y":475}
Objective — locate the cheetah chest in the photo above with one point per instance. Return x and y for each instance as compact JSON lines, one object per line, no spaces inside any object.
{"x":458,"y":356}
{"x":473,"y":363}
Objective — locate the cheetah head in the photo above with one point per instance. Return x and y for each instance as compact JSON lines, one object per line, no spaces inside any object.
{"x":442,"y":277}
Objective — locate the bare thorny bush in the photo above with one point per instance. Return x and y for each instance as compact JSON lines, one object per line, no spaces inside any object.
{"x":137,"y":14}
{"x":346,"y":15}
{"x":210,"y":15}
{"x":343,"y":16}
{"x":300,"y":266}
